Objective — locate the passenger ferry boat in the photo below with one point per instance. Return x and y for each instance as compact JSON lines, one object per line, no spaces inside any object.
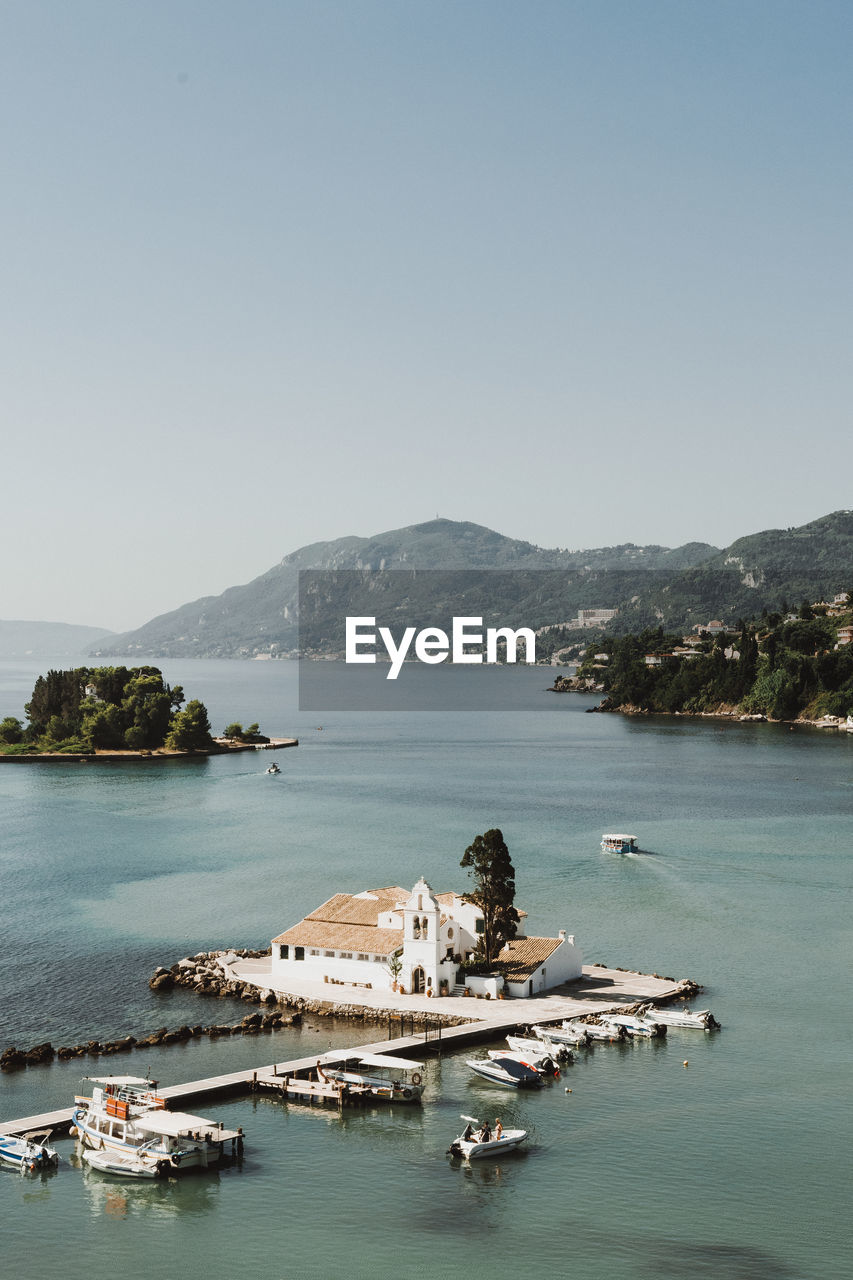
{"x":126,"y":1115}
{"x":619,"y":844}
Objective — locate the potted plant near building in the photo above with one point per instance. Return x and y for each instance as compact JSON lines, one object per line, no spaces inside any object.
{"x":395,"y":965}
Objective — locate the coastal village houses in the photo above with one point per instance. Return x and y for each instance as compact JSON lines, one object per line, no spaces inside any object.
{"x":352,"y":938}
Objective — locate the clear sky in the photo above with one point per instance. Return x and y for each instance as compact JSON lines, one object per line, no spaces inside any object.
{"x":285,"y":270}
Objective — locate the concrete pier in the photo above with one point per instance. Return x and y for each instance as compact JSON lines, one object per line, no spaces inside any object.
{"x":598,"y":990}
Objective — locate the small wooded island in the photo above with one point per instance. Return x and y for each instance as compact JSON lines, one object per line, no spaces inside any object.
{"x":117,"y":712}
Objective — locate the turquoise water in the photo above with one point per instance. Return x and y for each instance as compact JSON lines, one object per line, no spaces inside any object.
{"x":736,"y":1166}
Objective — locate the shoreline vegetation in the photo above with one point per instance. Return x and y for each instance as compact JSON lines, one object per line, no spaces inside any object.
{"x":118,"y":714}
{"x":790,"y":669}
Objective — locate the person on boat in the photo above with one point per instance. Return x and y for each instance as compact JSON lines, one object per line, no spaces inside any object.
{"x":321,"y":1075}
{"x":498,"y":1129}
{"x":468,"y":1133}
{"x":485,"y":1134}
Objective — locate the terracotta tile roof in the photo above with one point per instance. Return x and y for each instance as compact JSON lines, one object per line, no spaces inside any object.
{"x":394,"y":893}
{"x":330,"y":907}
{"x":343,"y":909}
{"x":523,"y":956}
{"x":326,"y":935}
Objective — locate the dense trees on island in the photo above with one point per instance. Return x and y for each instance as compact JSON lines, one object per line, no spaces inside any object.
{"x":780,"y":667}
{"x":87,"y":709}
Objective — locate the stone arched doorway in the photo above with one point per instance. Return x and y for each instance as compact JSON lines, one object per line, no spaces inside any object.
{"x":418,"y":980}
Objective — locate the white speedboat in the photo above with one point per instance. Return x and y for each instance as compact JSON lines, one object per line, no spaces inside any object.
{"x":618,"y":843}
{"x":125,"y":1113}
{"x":601,"y":1031}
{"x":474,"y":1144}
{"x":542,"y":1062}
{"x":385,"y":1078}
{"x":125,"y":1164}
{"x":506,"y":1070}
{"x":29,"y":1153}
{"x":635,"y":1027}
{"x":540,"y":1050}
{"x":702,"y":1019}
{"x":273,"y":768}
{"x":575,"y":1032}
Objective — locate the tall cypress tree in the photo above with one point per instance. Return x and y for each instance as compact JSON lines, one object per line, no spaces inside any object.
{"x":491,"y":869}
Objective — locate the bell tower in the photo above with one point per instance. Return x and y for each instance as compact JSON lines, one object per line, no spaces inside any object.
{"x":421,"y":917}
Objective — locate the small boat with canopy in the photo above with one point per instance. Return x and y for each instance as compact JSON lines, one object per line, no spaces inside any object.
{"x":383,"y":1077}
{"x":619,"y":843}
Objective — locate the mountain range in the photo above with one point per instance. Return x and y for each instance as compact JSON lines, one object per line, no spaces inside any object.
{"x":648,"y":584}
{"x":47,"y":639}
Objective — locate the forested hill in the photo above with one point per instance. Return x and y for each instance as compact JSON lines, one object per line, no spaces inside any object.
{"x":650,"y":586}
{"x":261,"y":616}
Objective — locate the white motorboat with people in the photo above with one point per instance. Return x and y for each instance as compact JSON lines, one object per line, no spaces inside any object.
{"x":636,"y":1028}
{"x":385,"y":1078}
{"x":506,"y":1070}
{"x":273,"y":768}
{"x":619,"y":843}
{"x":29,"y":1153}
{"x":701,"y":1019}
{"x":476,"y":1140}
{"x":541,"y":1050}
{"x":126,"y":1114}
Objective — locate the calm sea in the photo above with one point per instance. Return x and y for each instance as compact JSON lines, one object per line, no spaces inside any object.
{"x":736,"y":1166}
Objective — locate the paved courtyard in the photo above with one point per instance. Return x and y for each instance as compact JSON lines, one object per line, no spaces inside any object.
{"x":596,"y":990}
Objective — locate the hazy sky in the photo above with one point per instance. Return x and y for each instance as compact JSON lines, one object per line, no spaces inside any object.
{"x":279,"y":271}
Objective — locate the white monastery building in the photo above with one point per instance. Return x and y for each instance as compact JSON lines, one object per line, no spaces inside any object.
{"x":352,"y":938}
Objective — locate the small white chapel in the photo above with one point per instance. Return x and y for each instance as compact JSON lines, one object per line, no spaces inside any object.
{"x":421,"y":941}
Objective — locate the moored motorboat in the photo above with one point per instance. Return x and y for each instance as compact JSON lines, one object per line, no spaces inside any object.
{"x":619,"y":843}
{"x":542,"y":1062}
{"x":385,"y":1078}
{"x":701,"y":1019}
{"x":30,"y":1152}
{"x":540,"y":1049}
{"x":635,"y":1027}
{"x":126,"y":1164}
{"x":474,"y":1144}
{"x":507,"y":1071}
{"x":599,"y":1030}
{"x":125,"y":1113}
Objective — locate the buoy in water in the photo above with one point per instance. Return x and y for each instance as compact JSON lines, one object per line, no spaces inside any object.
{"x":685,"y":1062}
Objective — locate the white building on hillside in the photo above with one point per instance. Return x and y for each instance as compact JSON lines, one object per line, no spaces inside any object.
{"x":352,"y":938}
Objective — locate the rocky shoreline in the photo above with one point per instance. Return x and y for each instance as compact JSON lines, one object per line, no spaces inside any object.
{"x":205,"y":975}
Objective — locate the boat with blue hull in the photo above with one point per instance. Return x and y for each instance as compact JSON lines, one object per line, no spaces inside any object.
{"x":30,"y":1152}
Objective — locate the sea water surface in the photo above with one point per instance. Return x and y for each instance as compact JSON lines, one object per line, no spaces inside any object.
{"x":736,"y":1165}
